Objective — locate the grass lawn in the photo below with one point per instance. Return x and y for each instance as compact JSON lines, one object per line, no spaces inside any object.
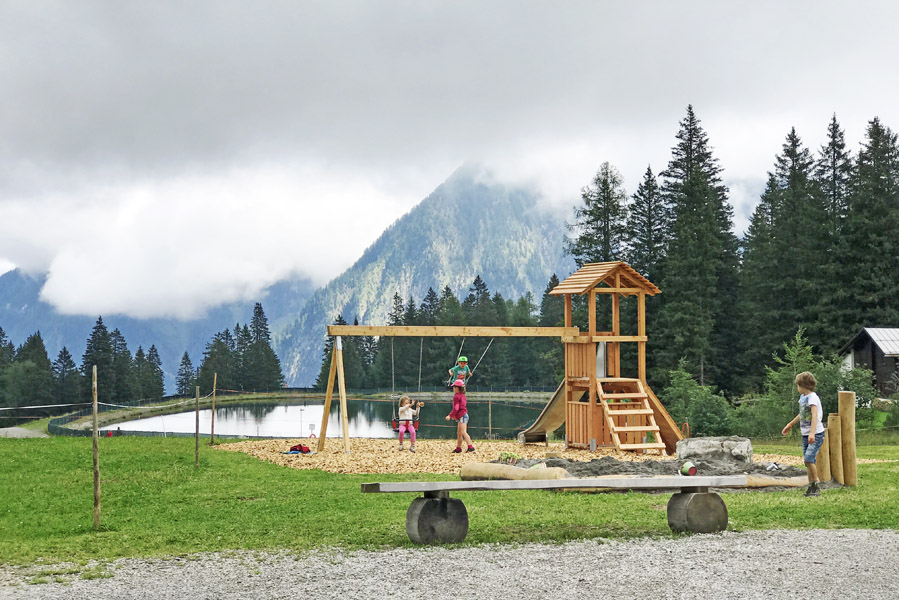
{"x":156,"y":503}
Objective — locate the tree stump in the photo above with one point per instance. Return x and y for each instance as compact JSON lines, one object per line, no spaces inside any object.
{"x":437,"y":520}
{"x":697,"y":512}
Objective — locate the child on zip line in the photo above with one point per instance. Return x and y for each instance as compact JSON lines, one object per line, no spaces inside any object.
{"x":409,"y":410}
{"x":460,"y":371}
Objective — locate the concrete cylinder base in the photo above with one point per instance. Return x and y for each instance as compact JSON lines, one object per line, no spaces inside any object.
{"x":437,"y":521}
{"x":698,"y":512}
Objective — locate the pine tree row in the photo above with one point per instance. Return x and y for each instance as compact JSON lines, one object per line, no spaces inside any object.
{"x":28,"y":378}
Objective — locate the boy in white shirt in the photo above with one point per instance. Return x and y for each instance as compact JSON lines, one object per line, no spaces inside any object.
{"x":810,"y":427}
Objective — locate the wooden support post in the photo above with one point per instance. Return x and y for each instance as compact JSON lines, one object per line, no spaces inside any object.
{"x":197,"y":430}
{"x":641,"y":332}
{"x":215,"y":379}
{"x":836,"y":447}
{"x":823,"y":461}
{"x":329,"y":393}
{"x":567,"y":310}
{"x":847,"y":430}
{"x":96,"y":449}
{"x":591,"y":313}
{"x":341,"y":386}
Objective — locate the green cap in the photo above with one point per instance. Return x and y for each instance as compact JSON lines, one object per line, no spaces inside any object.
{"x":463,"y":359}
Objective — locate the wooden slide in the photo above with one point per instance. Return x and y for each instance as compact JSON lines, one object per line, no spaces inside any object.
{"x":551,"y":417}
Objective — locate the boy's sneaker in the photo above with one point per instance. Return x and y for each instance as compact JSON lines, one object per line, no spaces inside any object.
{"x":470,"y":449}
{"x":457,"y":450}
{"x":813,"y":490}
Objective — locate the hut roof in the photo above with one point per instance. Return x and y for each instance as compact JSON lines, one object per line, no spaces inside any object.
{"x":887,"y":338}
{"x":593,"y":274}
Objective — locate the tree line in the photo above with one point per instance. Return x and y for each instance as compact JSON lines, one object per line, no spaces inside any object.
{"x":819,"y":257}
{"x":244,"y":360}
{"x":28,"y":378}
{"x":241,"y":359}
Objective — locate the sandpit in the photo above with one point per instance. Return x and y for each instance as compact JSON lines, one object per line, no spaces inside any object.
{"x":435,"y":456}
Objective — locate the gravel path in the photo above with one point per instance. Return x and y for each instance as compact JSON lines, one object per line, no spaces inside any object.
{"x":841,"y":564}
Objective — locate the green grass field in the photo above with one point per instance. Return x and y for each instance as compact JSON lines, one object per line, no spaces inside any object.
{"x":156,"y":503}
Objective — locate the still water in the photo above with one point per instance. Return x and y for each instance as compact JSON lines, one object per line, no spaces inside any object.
{"x":367,"y":418}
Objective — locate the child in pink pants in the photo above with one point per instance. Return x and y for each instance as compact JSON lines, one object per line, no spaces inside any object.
{"x":408,"y":412}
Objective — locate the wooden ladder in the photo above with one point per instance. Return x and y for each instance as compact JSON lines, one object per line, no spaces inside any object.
{"x":625,"y":400}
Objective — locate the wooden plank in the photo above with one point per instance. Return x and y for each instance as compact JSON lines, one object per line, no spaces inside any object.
{"x":447,"y":331}
{"x":586,"y":339}
{"x":617,"y":482}
{"x":635,"y":395}
{"x":637,"y":428}
{"x":635,"y":411}
{"x":653,"y":446}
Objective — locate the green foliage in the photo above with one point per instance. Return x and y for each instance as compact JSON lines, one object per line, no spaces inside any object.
{"x":243,"y":360}
{"x":187,"y":377}
{"x":599,"y":224}
{"x":687,"y":401}
{"x":767,"y":414}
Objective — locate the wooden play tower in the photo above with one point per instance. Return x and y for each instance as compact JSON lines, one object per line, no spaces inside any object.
{"x":602,"y":408}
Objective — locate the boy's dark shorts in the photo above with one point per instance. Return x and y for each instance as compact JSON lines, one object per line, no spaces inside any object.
{"x":809,"y":453}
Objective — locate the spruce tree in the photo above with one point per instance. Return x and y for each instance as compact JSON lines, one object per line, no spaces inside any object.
{"x":125,"y":384}
{"x":599,"y":224}
{"x":139,"y":369}
{"x":29,"y":380}
{"x":699,"y":283}
{"x":867,"y":291}
{"x":66,"y":378}
{"x":259,"y":325}
{"x":186,"y":380}
{"x":153,"y":384}
{"x":833,"y":172}
{"x":98,"y":352}
{"x":647,"y":228}
{"x":218,"y":358}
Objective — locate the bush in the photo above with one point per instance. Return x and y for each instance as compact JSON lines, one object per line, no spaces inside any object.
{"x":766,"y":415}
{"x":708,"y":414}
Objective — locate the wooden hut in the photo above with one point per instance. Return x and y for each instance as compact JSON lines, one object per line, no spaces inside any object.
{"x":605,"y":407}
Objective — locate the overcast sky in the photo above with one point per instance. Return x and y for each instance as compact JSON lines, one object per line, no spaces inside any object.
{"x":157,"y":158}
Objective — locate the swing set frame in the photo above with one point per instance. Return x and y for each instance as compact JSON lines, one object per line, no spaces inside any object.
{"x":601,"y":408}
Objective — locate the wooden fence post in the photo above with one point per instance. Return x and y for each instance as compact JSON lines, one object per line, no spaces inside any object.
{"x":197,"y":431}
{"x":215,"y":378}
{"x":836,"y":447}
{"x":824,"y":459}
{"x":96,"y":450}
{"x":847,"y":427}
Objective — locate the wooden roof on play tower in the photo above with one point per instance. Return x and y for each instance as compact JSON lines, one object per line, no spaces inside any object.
{"x":593,"y":274}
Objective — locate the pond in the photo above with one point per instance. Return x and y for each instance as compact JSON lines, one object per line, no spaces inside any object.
{"x":367,"y":419}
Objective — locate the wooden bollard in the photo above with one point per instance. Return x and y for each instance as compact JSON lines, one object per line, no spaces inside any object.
{"x":823,"y":460}
{"x":834,"y":429}
{"x":847,"y":427}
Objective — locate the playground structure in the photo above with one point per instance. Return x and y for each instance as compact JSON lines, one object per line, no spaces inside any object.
{"x":602,"y":408}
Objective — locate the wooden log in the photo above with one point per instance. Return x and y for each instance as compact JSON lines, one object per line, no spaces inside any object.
{"x":488,"y":471}
{"x":96,"y":445}
{"x":836,"y":447}
{"x":847,"y":431}
{"x":824,"y":459}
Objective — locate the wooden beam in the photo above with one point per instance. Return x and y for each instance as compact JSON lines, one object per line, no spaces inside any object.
{"x":591,"y":313}
{"x":586,"y":339}
{"x":567,"y":310}
{"x":446,"y":331}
